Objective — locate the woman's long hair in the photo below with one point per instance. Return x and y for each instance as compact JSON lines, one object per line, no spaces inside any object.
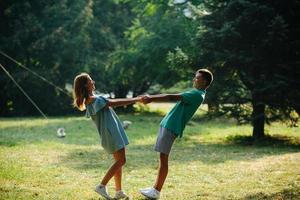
{"x":80,"y":92}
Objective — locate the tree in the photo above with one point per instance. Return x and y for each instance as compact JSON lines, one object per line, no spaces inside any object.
{"x":58,"y":40}
{"x":259,"y":42}
{"x":155,"y":32}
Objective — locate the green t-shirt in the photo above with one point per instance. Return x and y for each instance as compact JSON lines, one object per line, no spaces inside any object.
{"x":183,"y":111}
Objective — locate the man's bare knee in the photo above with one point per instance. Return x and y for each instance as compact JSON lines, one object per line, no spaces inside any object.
{"x":164,"y":161}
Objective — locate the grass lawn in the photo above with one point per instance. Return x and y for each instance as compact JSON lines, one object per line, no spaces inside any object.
{"x":214,"y":160}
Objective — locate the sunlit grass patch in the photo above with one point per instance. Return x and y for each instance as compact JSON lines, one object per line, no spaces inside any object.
{"x":214,"y":160}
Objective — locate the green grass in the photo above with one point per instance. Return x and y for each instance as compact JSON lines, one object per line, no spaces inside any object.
{"x":214,"y":160}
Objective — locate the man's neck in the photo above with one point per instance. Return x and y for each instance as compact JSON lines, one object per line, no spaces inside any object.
{"x":200,"y":88}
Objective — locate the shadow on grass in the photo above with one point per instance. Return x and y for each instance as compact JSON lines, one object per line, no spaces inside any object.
{"x":292,"y":193}
{"x":79,"y":131}
{"x":267,"y":141}
{"x":83,"y":133}
{"x":183,"y":152}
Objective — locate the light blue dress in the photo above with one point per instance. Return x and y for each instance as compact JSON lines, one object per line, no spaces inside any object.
{"x":109,"y":126}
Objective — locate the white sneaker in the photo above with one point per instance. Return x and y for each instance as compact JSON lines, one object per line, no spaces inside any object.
{"x":151,"y":193}
{"x":144,"y":189}
{"x":101,"y":189}
{"x":120,"y":195}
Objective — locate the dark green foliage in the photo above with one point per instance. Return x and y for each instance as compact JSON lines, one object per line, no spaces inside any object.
{"x":252,"y":47}
{"x":156,"y":30}
{"x":57,"y":39}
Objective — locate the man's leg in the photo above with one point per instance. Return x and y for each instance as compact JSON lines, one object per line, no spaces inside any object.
{"x":162,"y":171}
{"x":164,"y":142}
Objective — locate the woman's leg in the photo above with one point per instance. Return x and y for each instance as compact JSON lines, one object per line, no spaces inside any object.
{"x":120,"y":160}
{"x":118,"y":178}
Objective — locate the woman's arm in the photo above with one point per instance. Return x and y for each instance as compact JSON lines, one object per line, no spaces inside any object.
{"x":122,"y":102}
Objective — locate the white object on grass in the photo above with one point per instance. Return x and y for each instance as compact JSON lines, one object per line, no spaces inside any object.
{"x":61,"y":132}
{"x":126,"y":124}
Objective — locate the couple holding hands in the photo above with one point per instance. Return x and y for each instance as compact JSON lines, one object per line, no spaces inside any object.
{"x":113,"y":137}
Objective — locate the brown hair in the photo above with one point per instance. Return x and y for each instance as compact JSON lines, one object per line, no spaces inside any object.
{"x":208,"y":76}
{"x":80,"y":92}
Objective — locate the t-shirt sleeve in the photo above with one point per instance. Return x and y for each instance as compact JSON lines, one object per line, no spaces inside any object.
{"x":192,"y":97}
{"x":99,"y":103}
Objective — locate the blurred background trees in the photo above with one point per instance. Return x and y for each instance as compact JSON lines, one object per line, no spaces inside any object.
{"x":132,"y":47}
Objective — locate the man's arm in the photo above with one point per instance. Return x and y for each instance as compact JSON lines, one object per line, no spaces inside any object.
{"x":161,"y":98}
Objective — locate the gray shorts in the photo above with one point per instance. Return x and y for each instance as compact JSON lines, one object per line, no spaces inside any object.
{"x":164,"y":141}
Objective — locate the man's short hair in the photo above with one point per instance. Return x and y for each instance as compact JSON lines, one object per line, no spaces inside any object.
{"x":208,"y":76}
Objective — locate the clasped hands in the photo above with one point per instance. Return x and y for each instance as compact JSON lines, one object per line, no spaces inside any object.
{"x":145,"y":99}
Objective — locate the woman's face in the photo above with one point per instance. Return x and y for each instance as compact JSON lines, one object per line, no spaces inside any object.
{"x":90,"y":85}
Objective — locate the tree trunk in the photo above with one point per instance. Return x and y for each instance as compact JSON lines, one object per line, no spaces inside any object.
{"x":213,"y":107}
{"x":258,"y":115}
{"x":121,"y":92}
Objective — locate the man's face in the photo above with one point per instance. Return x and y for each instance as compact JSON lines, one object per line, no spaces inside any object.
{"x":199,"y":81}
